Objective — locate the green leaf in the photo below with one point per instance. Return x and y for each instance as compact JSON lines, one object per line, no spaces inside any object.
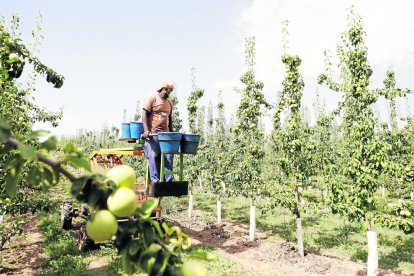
{"x":127,"y":265}
{"x":69,"y":148}
{"x":78,"y":185}
{"x":146,"y":209}
{"x":39,"y":133}
{"x":57,"y":175}
{"x":202,"y":255}
{"x":133,"y":247}
{"x":4,"y":132}
{"x":33,"y":176}
{"x":49,"y":144}
{"x":11,"y":185}
{"x":160,"y":263}
{"x":79,"y":163}
{"x":148,"y":232}
{"x":27,"y":152}
{"x":148,"y":258}
{"x":48,"y":175}
{"x":157,"y":227}
{"x":97,"y":198}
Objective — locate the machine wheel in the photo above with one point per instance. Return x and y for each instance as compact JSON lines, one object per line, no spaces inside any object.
{"x":85,"y":209}
{"x":66,"y":215}
{"x":85,"y":243}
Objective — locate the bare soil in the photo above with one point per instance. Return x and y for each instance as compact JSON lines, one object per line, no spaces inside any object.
{"x":23,"y":254}
{"x":264,"y":256}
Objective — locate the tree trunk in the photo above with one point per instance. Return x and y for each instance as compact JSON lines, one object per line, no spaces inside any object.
{"x":201,"y":184}
{"x":372,"y":265}
{"x":398,"y":189}
{"x":252,"y":228}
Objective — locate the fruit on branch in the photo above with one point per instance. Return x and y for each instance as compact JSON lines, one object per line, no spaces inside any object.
{"x":123,"y":176}
{"x":123,"y":202}
{"x":102,"y":226}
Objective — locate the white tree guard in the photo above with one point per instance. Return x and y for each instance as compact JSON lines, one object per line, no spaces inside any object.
{"x":201,"y":184}
{"x":299,"y":236}
{"x":252,"y":228}
{"x":372,"y":265}
{"x":218,"y":212}
{"x":190,"y":205}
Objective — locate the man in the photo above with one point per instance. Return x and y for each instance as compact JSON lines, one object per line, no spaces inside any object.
{"x":157,"y":117}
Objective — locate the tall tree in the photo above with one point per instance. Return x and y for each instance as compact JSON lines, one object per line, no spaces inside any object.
{"x":193,"y":169}
{"x":366,"y":153}
{"x":249,"y":137}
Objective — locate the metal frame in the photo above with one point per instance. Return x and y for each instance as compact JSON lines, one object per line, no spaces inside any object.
{"x":163,"y":172}
{"x":115,"y":155}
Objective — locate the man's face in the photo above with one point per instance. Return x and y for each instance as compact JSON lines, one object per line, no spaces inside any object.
{"x":165,"y":93}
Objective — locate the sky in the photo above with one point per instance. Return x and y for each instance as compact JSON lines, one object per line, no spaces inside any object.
{"x":115,"y":53}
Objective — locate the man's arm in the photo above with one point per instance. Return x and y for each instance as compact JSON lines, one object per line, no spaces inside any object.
{"x":170,"y":123}
{"x":145,"y":123}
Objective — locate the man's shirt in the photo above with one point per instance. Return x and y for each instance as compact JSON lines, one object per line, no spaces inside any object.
{"x":160,"y":111}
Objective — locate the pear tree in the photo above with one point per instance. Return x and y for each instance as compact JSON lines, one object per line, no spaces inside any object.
{"x":249,"y":138}
{"x":366,"y":154}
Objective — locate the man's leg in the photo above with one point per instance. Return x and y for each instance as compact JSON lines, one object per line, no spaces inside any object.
{"x":152,"y":152}
{"x":168,"y":166}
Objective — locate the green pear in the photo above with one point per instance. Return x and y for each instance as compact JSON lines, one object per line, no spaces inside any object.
{"x":123,"y":176}
{"x":102,"y":226}
{"x":123,"y":202}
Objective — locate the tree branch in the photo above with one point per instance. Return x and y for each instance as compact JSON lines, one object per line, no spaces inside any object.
{"x":55,"y":165}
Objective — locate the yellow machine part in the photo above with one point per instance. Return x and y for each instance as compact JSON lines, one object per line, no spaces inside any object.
{"x":111,"y":157}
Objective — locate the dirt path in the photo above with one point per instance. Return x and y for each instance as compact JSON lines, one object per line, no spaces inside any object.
{"x":23,"y":254}
{"x":264,"y":256}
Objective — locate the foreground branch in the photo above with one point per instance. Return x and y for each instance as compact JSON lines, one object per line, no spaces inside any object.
{"x":54,"y":164}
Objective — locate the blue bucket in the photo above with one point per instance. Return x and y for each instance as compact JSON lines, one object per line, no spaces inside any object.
{"x":170,"y":141}
{"x":137,"y":129}
{"x":126,"y":131}
{"x":189,"y":143}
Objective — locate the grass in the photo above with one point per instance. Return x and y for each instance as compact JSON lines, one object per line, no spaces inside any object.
{"x":219,"y":266}
{"x":60,"y":246}
{"x":324,"y":233}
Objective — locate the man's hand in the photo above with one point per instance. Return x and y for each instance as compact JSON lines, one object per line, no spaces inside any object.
{"x":145,"y":135}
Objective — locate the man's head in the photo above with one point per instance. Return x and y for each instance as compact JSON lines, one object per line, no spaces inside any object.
{"x":165,"y":90}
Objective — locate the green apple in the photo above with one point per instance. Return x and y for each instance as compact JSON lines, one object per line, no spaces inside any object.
{"x":123,"y":176}
{"x":123,"y":202}
{"x":194,"y":269}
{"x":102,"y":226}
